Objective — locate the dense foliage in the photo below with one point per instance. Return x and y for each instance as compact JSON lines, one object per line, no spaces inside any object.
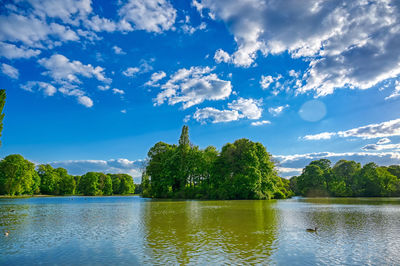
{"x":2,"y":102}
{"x":347,"y":179}
{"x":242,"y":170}
{"x":18,"y":176}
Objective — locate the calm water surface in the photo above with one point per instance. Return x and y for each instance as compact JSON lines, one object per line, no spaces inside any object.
{"x":136,"y":231}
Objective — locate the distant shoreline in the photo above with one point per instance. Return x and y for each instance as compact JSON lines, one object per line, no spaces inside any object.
{"x":60,"y":196}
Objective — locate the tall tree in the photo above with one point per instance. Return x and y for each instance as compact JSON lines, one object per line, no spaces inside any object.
{"x":184,"y":138}
{"x":2,"y":102}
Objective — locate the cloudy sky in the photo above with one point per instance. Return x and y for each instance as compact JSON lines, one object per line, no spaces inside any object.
{"x":92,"y":85}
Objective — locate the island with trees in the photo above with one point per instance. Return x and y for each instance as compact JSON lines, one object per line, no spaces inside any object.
{"x":242,"y":170}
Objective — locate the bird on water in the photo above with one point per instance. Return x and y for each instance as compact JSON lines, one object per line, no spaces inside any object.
{"x":312,"y":230}
{"x":6,"y":233}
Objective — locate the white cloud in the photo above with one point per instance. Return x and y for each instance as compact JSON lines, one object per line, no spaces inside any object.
{"x":61,"y":69}
{"x":380,"y":147}
{"x":324,"y":135}
{"x":277,"y":110}
{"x":118,"y":50}
{"x":189,"y":29}
{"x":346,"y":44}
{"x":123,"y":111}
{"x":10,"y":71}
{"x":63,"y":32}
{"x":301,"y":160}
{"x":47,"y":88}
{"x":118,"y":91}
{"x":193,"y":86}
{"x":248,"y":108}
{"x":113,"y":166}
{"x":383,"y":141}
{"x":32,"y":31}
{"x":396,"y":92}
{"x":130,"y":71}
{"x":71,"y":90}
{"x":215,"y":116}
{"x":149,"y":15}
{"x":155,"y":77}
{"x":101,"y":24}
{"x":144,"y":66}
{"x":66,"y":72}
{"x":222,"y":56}
{"x":260,"y":123}
{"x":86,"y":101}
{"x":10,"y":51}
{"x":240,"y":108}
{"x":103,"y":88}
{"x":69,"y":11}
{"x":288,"y":171}
{"x":266,"y":82}
{"x":384,"y":129}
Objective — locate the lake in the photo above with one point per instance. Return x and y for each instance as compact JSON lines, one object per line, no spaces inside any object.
{"x":137,"y":231}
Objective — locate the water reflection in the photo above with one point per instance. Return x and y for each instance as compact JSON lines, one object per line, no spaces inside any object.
{"x":210,"y":231}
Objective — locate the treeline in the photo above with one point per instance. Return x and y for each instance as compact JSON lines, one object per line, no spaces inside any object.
{"x":347,"y":179}
{"x":242,"y":170}
{"x":19,"y":176}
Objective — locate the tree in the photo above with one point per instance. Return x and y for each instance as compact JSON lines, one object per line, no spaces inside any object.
{"x":182,"y":159}
{"x":66,"y":183}
{"x":244,"y":170}
{"x":312,"y":181}
{"x":17,"y":175}
{"x":325,"y":166}
{"x":162,"y":169}
{"x":344,"y":178}
{"x":49,"y":179}
{"x":89,"y":184}
{"x":394,"y":170}
{"x":2,"y":102}
{"x":105,"y":184}
{"x":122,"y":184}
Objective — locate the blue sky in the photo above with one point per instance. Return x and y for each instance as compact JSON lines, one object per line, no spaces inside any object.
{"x":92,"y":85}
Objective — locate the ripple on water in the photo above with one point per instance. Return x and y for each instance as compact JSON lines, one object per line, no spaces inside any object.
{"x":134,"y":231}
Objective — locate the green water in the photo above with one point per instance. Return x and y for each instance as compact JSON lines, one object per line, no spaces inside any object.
{"x":136,"y":231}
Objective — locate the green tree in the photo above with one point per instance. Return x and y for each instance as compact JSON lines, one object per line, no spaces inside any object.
{"x":325,"y":166}
{"x":181,"y":176}
{"x":17,"y":175}
{"x":312,"y":181}
{"x":394,"y":170}
{"x":49,"y":179}
{"x":122,"y":184}
{"x":162,"y":169}
{"x":35,"y":189}
{"x":2,"y":102}
{"x":105,"y":184}
{"x":89,"y":184}
{"x":66,"y":183}
{"x":244,"y":170}
{"x":344,"y":178}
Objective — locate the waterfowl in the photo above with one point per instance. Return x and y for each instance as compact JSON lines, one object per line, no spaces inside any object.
{"x":6,"y":233}
{"x":312,"y":230}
